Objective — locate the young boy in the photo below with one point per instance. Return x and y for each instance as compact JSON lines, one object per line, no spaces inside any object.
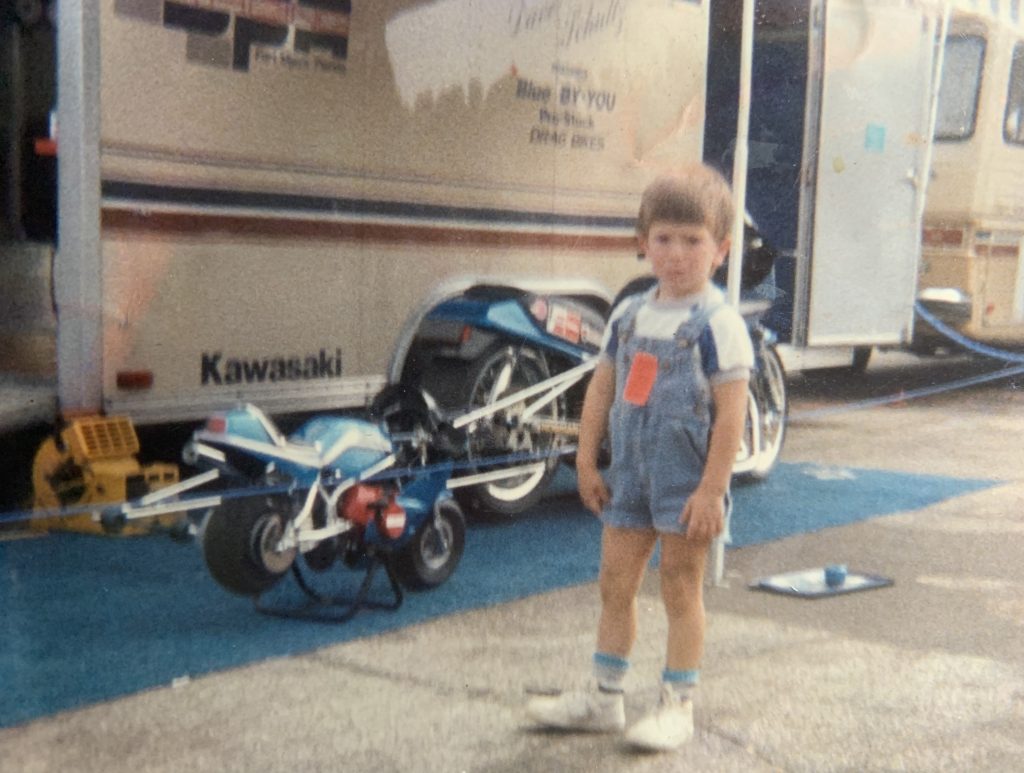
{"x":670,"y":390}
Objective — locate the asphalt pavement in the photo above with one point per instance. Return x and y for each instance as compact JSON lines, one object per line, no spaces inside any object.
{"x":925,"y":675}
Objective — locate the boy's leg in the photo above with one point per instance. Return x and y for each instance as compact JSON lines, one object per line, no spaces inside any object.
{"x":624,"y":557}
{"x":682,"y":592}
{"x":682,"y":588}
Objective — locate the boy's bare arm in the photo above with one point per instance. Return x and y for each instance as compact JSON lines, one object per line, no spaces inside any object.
{"x":726,"y":433}
{"x":593,"y":428}
{"x":704,"y":512}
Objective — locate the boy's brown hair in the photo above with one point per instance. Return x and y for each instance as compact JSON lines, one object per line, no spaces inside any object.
{"x":697,"y":195}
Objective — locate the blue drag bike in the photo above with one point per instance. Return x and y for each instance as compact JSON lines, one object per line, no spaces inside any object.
{"x":390,"y":489}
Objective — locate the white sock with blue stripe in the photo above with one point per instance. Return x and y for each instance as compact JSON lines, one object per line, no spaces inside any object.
{"x":609,"y":672}
{"x":683,"y":683}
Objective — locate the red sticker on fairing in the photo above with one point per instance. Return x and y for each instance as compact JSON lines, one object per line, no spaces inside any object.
{"x":564,"y":323}
{"x":640,"y":381}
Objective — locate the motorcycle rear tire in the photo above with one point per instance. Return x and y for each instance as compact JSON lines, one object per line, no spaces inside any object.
{"x":236,"y":539}
{"x":529,"y":367}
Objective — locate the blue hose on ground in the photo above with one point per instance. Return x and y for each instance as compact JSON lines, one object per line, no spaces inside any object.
{"x":960,"y":339}
{"x":952,"y":335}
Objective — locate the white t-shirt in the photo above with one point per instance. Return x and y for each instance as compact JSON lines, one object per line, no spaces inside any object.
{"x":726,"y":351}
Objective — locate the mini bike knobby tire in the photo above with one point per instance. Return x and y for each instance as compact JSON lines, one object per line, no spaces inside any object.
{"x":236,"y":540}
{"x":434,"y":551}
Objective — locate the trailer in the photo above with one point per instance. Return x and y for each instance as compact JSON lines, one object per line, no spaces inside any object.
{"x":255,"y":196}
{"x":269,"y":202}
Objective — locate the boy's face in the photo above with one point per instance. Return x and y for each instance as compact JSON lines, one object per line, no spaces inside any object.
{"x":683,"y":256}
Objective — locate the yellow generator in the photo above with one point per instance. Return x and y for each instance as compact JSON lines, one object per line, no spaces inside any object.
{"x":92,"y":461}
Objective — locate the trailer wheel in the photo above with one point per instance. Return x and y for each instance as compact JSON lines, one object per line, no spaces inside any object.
{"x":498,"y":373}
{"x":861,"y":358}
{"x":435,"y":549}
{"x":768,"y":407}
{"x":239,"y":544}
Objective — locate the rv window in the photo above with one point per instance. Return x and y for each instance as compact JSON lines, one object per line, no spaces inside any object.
{"x":1013,"y":122}
{"x":961,"y":83}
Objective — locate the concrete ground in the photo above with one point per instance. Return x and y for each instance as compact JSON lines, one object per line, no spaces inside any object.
{"x":927,"y":675}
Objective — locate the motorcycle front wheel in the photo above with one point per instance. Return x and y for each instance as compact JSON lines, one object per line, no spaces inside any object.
{"x":768,"y":408}
{"x":435,"y":549}
{"x":240,"y":539}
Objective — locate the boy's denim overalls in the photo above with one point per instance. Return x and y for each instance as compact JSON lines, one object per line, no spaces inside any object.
{"x":659,"y":449}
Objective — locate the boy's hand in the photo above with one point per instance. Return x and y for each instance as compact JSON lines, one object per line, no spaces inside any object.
{"x":703,"y":515}
{"x":593,"y":490}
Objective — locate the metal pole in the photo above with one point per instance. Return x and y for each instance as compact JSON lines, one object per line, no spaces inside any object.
{"x":78,"y":266}
{"x":739,"y":195}
{"x":739,"y":167}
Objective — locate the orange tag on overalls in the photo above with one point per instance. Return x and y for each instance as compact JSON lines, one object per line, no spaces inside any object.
{"x":640,"y":380}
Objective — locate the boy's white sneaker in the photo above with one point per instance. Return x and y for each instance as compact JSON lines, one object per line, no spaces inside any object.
{"x":588,"y":710}
{"x":668,"y":727}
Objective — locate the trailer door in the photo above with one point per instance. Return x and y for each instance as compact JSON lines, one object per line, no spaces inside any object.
{"x":876,"y":71}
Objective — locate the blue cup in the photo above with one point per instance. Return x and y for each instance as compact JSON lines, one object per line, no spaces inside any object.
{"x":835,"y":575}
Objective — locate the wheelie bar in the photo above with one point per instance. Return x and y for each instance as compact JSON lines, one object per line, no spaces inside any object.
{"x":549,"y":389}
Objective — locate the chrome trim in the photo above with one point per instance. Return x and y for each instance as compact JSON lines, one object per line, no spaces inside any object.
{"x":489,"y":477}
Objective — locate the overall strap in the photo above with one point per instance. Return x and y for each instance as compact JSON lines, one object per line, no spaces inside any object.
{"x":689,"y":332}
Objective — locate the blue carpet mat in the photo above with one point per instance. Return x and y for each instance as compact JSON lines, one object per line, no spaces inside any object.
{"x":88,"y":618}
